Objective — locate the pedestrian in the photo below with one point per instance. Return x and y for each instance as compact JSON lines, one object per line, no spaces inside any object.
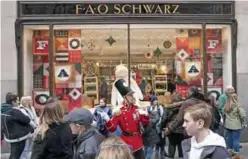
{"x":150,"y":136}
{"x":130,"y":118}
{"x":234,"y":122}
{"x":204,"y":144}
{"x":223,"y":98}
{"x":159,"y":110}
{"x":53,"y":137}
{"x":114,"y":148}
{"x":15,"y":126}
{"x":86,"y":137}
{"x":176,"y":136}
{"x":194,"y":97}
{"x":102,"y":107}
{"x":28,"y":110}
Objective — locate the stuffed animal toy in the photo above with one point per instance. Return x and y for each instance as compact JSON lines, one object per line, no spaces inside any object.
{"x":121,"y":72}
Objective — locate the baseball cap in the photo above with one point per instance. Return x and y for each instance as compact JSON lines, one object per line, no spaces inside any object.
{"x":80,"y":116}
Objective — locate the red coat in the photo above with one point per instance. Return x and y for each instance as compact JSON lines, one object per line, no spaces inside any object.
{"x":129,"y":120}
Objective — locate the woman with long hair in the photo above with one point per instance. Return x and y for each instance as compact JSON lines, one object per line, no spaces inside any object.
{"x":234,"y":115}
{"x":27,"y":109}
{"x":53,"y":137}
{"x":114,"y":148}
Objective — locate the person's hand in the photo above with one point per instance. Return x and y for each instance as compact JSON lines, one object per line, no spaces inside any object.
{"x":116,"y":111}
{"x":166,"y":131}
{"x":142,"y":112}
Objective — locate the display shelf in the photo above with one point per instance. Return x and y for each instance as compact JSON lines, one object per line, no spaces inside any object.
{"x":91,"y":87}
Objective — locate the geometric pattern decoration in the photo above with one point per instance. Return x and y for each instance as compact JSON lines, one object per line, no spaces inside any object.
{"x":37,"y":81}
{"x":75,"y":33}
{"x":40,"y":42}
{"x":110,"y":40}
{"x":182,"y":54}
{"x":75,"y":56}
{"x":157,"y":52}
{"x":63,"y":74}
{"x":194,"y":43}
{"x":213,"y":41}
{"x":167,"y":44}
{"x":74,"y":44}
{"x":182,"y":43}
{"x":75,"y":99}
{"x":40,"y":96}
{"x":62,"y":56}
{"x":61,"y":34}
{"x":61,"y":44}
{"x":194,"y":32}
{"x":193,"y":71}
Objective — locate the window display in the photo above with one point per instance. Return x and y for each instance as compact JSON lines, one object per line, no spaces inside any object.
{"x":163,"y":56}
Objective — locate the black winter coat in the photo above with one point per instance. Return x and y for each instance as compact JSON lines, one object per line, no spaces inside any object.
{"x":15,"y":125}
{"x":57,"y":143}
{"x":86,"y":146}
{"x":150,"y":136}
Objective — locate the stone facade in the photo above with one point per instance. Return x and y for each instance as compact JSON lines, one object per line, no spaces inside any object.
{"x":9,"y":55}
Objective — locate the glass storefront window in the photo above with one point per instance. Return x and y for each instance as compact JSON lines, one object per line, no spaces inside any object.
{"x":36,"y":65}
{"x":84,"y":59}
{"x":218,"y":50}
{"x":166,"y":56}
{"x":163,"y":57}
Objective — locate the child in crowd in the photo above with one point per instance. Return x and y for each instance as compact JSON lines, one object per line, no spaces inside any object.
{"x":204,"y":143}
{"x":114,"y":148}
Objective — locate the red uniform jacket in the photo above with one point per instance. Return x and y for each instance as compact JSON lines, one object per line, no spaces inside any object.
{"x":129,"y":121}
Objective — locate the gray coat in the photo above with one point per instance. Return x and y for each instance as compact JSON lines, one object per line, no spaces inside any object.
{"x":209,"y":152}
{"x":86,"y":146}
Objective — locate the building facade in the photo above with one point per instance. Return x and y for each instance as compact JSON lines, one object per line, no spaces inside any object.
{"x":71,"y":50}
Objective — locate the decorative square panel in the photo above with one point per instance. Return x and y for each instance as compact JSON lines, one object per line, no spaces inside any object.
{"x":74,"y":44}
{"x":182,"y":54}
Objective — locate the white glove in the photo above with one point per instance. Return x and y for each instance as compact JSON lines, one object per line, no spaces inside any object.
{"x":116,"y":110}
{"x":105,"y":116}
{"x":142,"y":112}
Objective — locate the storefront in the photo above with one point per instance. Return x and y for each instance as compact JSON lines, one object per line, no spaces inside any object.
{"x":71,"y":49}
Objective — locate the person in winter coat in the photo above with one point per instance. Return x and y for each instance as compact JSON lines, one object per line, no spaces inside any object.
{"x":28,"y":110}
{"x":235,"y":119}
{"x":53,"y":137}
{"x":150,"y":136}
{"x":158,"y":109}
{"x":86,"y":138}
{"x":194,"y":97}
{"x":204,"y":144}
{"x":98,"y":117}
{"x":15,"y":126}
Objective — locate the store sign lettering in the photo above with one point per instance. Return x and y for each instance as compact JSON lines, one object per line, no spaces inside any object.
{"x":212,"y":44}
{"x":42,"y":44}
{"x":120,"y":9}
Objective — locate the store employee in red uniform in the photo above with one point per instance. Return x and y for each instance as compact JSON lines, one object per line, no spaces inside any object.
{"x":130,"y":119}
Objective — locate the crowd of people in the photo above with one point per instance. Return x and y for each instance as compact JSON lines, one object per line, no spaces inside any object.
{"x":195,"y":127}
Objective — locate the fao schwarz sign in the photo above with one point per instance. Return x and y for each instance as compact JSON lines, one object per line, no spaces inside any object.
{"x":127,"y":9}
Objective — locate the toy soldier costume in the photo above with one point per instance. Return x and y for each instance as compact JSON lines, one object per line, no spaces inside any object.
{"x":130,"y":119}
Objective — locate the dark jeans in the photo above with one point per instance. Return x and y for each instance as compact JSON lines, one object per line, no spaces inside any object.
{"x":139,"y":154}
{"x":16,"y":149}
{"x":160,"y":146}
{"x":233,"y":138}
{"x":175,"y":140}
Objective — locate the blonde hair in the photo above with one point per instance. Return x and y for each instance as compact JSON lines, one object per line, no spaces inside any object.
{"x":26,"y":101}
{"x":201,"y":111}
{"x":232,"y":103}
{"x":52,"y":112}
{"x":114,"y":148}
